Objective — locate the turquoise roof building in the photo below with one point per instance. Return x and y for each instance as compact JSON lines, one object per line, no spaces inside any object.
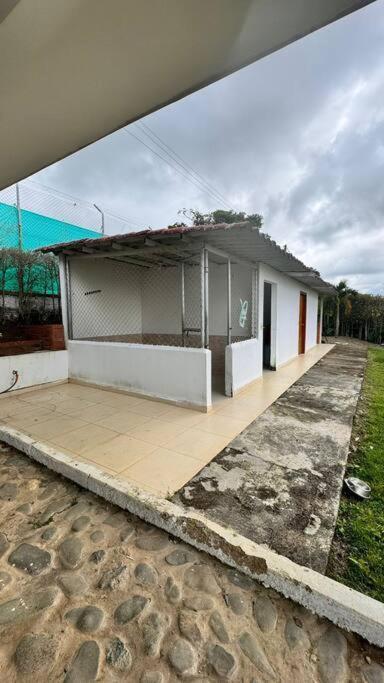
{"x":37,"y":231}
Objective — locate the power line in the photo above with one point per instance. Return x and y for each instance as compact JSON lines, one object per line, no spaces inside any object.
{"x":182,"y":163}
{"x":200,"y":186}
{"x":73,"y":199}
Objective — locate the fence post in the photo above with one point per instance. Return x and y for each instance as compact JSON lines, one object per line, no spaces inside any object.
{"x":182,"y":277}
{"x":19,"y":221}
{"x":229,"y":302}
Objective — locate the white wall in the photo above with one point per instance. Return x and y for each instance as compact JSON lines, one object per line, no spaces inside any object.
{"x":243,"y":364}
{"x":171,"y":373}
{"x":312,"y":306}
{"x":33,"y":368}
{"x":116,"y":308}
{"x":286,"y":324}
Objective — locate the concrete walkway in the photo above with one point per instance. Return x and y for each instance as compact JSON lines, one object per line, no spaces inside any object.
{"x":279,"y":481}
{"x":89,"y":592}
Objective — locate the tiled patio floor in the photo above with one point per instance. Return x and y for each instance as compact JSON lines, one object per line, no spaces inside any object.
{"x":155,"y":445}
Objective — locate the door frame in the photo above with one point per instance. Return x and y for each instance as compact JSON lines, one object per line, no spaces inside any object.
{"x":302,"y":331}
{"x":272,"y":358}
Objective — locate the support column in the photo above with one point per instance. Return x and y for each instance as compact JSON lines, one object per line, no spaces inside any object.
{"x":320,"y":323}
{"x":206,"y":298}
{"x":202,"y":297}
{"x":229,"y":302}
{"x":69,"y":298}
{"x":182,"y":289}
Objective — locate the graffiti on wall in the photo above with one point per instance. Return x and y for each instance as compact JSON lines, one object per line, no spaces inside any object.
{"x":243,"y":312}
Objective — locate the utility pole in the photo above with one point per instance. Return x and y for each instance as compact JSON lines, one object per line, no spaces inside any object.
{"x":102,"y":218}
{"x":19,"y":222}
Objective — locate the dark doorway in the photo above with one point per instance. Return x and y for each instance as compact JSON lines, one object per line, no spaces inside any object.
{"x":302,"y":322}
{"x":267,"y":324}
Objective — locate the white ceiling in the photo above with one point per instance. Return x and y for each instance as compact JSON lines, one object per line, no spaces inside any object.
{"x":73,"y":71}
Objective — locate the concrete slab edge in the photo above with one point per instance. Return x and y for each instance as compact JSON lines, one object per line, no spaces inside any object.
{"x":323,"y":596}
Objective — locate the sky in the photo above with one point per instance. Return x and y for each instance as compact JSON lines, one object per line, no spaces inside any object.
{"x":297,"y":137}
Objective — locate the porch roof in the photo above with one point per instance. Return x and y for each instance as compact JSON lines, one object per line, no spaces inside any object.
{"x":170,"y":246}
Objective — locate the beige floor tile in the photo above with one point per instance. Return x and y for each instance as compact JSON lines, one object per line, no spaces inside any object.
{"x":150,"y":408}
{"x":123,"y":421}
{"x":84,"y":438}
{"x":54,"y":426}
{"x":197,"y":444}
{"x":40,"y":396}
{"x":120,"y":401}
{"x":28,"y":418}
{"x":94,"y":413}
{"x":142,"y":485}
{"x":11,"y":406}
{"x":157,"y":432}
{"x":222,"y":425}
{"x":73,"y":406}
{"x":119,"y":453}
{"x":163,"y":470}
{"x":88,"y":393}
{"x":182,"y":416}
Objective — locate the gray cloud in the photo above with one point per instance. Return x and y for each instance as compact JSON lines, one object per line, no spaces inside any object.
{"x":298,"y":136}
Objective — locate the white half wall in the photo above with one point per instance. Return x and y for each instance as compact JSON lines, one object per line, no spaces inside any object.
{"x":33,"y":368}
{"x":171,"y":373}
{"x":243,"y":364}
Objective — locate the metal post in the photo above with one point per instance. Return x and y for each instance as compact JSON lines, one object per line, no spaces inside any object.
{"x":255,"y":303}
{"x":19,"y":222}
{"x":182,"y":276}
{"x":102,"y":218}
{"x":320,"y":330}
{"x":69,"y":298}
{"x":202,"y":297}
{"x":206,"y":298}
{"x":229,"y":302}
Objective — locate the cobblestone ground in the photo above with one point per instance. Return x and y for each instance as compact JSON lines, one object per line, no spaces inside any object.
{"x":89,"y":592}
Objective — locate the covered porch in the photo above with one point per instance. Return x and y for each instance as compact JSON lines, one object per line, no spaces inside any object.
{"x":177,"y":314}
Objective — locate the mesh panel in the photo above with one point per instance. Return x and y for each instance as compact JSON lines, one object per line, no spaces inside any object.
{"x":242,"y":302}
{"x":116,"y":301}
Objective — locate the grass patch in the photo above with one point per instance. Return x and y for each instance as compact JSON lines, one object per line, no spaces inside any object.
{"x":357,"y":555}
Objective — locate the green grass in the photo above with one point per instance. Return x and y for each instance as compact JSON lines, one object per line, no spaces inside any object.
{"x":357,"y":556}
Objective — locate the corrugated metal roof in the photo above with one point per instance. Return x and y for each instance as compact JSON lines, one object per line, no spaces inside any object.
{"x":242,"y":241}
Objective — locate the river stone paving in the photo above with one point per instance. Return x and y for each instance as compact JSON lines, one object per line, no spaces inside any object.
{"x":279,"y":481}
{"x":182,"y":616}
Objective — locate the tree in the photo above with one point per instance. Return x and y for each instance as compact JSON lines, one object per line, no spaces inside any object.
{"x":218,"y":216}
{"x":353,"y":314}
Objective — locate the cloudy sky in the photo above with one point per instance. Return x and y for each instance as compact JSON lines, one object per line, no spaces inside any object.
{"x":298,"y":137}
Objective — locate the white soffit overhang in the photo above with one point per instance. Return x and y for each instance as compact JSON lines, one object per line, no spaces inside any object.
{"x":72,"y":71}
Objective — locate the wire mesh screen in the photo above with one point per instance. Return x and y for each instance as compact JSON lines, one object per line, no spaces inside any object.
{"x":242,"y":302}
{"x":42,"y":218}
{"x":119,"y":302}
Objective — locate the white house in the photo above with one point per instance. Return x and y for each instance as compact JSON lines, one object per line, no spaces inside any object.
{"x":176,"y":313}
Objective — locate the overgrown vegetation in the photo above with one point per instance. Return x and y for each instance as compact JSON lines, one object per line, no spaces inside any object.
{"x":352,"y":314}
{"x":357,"y":557}
{"x":195,"y":217}
{"x":32,"y":280}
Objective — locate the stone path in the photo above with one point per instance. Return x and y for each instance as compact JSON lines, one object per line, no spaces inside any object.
{"x":89,"y":592}
{"x":279,"y":481}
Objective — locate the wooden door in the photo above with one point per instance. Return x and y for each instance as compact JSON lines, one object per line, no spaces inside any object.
{"x":302,"y":322}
